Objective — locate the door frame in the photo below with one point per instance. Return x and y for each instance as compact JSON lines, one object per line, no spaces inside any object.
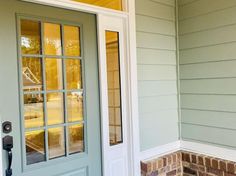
{"x":128,"y":16}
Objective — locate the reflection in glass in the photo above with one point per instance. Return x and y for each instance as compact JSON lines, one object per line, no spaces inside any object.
{"x":113,"y":81}
{"x":53,"y":74}
{"x":73,"y":74}
{"x":46,"y":94}
{"x":30,"y":37}
{"x":32,"y":74}
{"x":76,"y":138}
{"x":52,"y":39}
{"x":35,"y":147}
{"x":114,"y":4}
{"x":56,"y":142}
{"x":33,"y":110}
{"x":55,"y":108}
{"x":72,"y":41}
{"x":75,"y":106}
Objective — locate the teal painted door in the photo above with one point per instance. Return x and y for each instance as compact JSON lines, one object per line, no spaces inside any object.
{"x":49,"y":90}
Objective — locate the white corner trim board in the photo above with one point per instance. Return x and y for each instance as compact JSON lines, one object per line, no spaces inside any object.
{"x":160,"y":151}
{"x":209,"y":150}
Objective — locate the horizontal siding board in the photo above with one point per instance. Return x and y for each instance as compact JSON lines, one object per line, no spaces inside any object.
{"x":208,"y":70}
{"x":153,"y":56}
{"x":210,"y":37}
{"x":210,"y":135}
{"x":153,"y":128}
{"x":202,"y":7}
{"x":210,"y":53}
{"x":156,"y":72}
{"x":209,"y":21}
{"x":154,"y":104}
{"x":209,"y":118}
{"x":156,"y":88}
{"x":209,"y":102}
{"x":154,"y":25}
{"x":153,"y":9}
{"x":155,"y":41}
{"x":209,"y":86}
{"x":185,"y":2}
{"x":167,"y":2}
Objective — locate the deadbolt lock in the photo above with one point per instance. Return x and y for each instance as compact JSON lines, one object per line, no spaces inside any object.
{"x":6,"y":127}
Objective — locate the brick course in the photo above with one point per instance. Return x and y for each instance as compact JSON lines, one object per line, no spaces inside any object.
{"x":184,"y":163}
{"x":168,"y":165}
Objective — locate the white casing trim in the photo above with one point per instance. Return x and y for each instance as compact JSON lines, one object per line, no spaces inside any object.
{"x":160,"y":151}
{"x":78,"y":6}
{"x":209,"y":150}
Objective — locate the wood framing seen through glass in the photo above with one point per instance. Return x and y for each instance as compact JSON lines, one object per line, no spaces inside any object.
{"x":51,"y":84}
{"x":114,"y":88}
{"x":111,"y":4}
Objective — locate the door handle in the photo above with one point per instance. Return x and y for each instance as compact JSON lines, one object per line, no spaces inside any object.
{"x":8,"y":145}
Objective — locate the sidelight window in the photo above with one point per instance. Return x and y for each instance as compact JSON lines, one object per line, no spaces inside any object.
{"x":114,"y":87}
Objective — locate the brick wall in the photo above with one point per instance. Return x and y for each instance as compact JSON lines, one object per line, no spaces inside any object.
{"x":184,"y":163}
{"x":202,"y":165}
{"x":168,"y":165}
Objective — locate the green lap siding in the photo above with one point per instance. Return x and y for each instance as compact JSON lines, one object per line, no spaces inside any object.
{"x":207,"y":40}
{"x":157,"y":85}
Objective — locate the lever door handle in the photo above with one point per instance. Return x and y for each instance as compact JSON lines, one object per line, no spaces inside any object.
{"x":8,"y":145}
{"x":9,"y":170}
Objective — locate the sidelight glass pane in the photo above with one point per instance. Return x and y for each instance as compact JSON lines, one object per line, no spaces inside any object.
{"x":111,"y":4}
{"x":54,"y":74}
{"x":72,"y":40}
{"x":35,"y":146}
{"x":73,"y":74}
{"x":33,"y":110}
{"x":75,"y":106}
{"x":113,"y":81}
{"x":32,"y":74}
{"x":55,"y":108}
{"x":30,"y":37}
{"x":76,"y":138}
{"x":56,"y":142}
{"x":52,"y":39}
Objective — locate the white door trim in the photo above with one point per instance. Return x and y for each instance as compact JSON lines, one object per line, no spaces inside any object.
{"x":132,"y":93}
{"x":115,"y":158}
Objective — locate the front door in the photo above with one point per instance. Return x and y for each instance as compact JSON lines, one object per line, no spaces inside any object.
{"x":49,"y":91}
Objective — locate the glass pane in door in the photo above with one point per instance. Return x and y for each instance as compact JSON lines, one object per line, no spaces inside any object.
{"x":73,"y":74}
{"x":35,"y":146}
{"x":32,"y":74}
{"x":52,"y":39}
{"x":72,"y":40}
{"x":76,"y":138}
{"x":30,"y":37}
{"x":33,"y":110}
{"x":55,"y":107}
{"x":53,"y":73}
{"x":56,"y":142}
{"x":75,"y":106}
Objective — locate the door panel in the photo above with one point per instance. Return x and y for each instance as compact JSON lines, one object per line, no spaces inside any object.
{"x":49,"y":90}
